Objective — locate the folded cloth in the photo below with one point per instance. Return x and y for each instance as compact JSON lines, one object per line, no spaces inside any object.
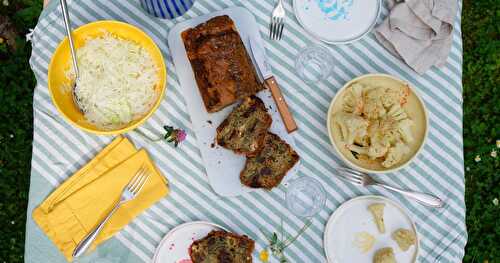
{"x":82,"y":201}
{"x":419,"y":31}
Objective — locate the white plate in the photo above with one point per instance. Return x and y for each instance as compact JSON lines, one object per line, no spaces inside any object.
{"x":223,"y":166}
{"x":175,"y":245}
{"x":337,"y":21}
{"x":353,"y":217}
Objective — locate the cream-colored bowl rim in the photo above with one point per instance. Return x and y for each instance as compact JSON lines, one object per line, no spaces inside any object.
{"x":356,"y":166}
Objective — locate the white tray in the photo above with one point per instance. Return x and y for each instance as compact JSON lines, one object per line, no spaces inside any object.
{"x":223,"y":166}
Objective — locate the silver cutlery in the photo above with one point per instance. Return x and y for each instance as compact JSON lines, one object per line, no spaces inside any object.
{"x":67,"y":24}
{"x":277,"y":21}
{"x":265,"y":74}
{"x":363,"y":179}
{"x":130,"y":192}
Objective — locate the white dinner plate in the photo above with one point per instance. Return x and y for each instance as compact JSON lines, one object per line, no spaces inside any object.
{"x":223,"y":166}
{"x":337,"y":21}
{"x":175,"y":245}
{"x":353,"y":217}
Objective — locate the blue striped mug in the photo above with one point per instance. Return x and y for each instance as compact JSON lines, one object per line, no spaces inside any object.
{"x":166,"y":9}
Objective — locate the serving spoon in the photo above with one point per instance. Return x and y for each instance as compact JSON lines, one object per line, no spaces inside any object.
{"x":67,"y":24}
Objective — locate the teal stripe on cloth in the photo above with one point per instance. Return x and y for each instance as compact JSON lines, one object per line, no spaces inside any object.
{"x":59,"y":149}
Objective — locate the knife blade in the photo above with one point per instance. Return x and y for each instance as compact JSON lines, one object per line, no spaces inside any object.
{"x":264,"y":71}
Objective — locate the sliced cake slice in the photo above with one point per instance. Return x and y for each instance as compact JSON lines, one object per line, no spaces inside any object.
{"x":243,"y":131}
{"x":270,"y":165}
{"x":222,"y":247}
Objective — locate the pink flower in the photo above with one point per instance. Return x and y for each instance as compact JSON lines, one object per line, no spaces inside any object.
{"x":181,"y":135}
{"x":174,"y":135}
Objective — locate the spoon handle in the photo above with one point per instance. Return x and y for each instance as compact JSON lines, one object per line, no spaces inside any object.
{"x":67,"y":24}
{"x":425,"y":199}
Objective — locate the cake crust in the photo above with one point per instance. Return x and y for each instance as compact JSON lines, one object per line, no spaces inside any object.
{"x":222,"y":67}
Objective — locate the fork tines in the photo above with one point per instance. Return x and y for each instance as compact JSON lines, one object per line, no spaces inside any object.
{"x":349,"y":175}
{"x":276,"y":28}
{"x":277,"y":21}
{"x":138,"y":181}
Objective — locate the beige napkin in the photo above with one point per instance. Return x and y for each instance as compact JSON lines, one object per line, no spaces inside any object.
{"x":419,"y":31}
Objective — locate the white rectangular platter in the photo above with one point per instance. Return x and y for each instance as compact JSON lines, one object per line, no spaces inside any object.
{"x":223,"y":166}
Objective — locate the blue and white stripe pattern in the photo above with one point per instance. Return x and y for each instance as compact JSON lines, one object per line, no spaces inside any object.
{"x":167,"y":9}
{"x":60,"y":149}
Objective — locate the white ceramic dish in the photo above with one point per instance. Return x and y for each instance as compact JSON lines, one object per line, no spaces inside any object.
{"x":353,"y":217}
{"x":337,"y":21}
{"x":174,"y":247}
{"x":223,"y":166}
{"x":415,"y":109}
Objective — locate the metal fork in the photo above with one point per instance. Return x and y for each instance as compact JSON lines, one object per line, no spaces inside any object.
{"x":363,"y":179}
{"x":277,"y":21}
{"x":130,"y":192}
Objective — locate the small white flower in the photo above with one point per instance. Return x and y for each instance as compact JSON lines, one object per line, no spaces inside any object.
{"x":11,"y":135}
{"x":467,"y":168}
{"x":495,"y":202}
{"x":5,"y":2}
{"x":493,"y":154}
{"x":29,"y":35}
{"x":477,"y":159}
{"x":12,"y":222}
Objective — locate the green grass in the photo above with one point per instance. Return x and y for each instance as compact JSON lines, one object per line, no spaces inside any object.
{"x":481,"y":79}
{"x":481,"y":31}
{"x":16,"y":94}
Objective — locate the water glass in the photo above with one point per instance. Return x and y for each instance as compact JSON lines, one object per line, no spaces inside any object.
{"x":314,"y":64}
{"x":305,"y":197}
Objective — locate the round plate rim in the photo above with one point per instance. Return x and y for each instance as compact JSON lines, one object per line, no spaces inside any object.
{"x":344,"y":206}
{"x":177,"y":228}
{"x":368,"y":30}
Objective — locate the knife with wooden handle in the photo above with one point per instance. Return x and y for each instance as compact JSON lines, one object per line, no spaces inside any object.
{"x":264,"y":72}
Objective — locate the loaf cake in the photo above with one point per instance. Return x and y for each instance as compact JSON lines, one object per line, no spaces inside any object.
{"x":243,"y":131}
{"x":222,"y":247}
{"x":270,"y":165}
{"x":222,"y":67}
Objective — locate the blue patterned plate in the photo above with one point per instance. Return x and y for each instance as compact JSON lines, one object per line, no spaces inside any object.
{"x":337,"y":21}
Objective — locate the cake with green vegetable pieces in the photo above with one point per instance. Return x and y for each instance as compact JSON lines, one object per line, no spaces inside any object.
{"x":222,"y":247}
{"x":268,"y":168}
{"x":244,"y":130}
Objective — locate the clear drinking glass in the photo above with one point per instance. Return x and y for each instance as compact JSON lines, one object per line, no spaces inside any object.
{"x":305,"y":197}
{"x":314,"y":64}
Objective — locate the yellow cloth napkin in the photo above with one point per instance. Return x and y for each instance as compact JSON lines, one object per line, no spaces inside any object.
{"x":81,"y":202}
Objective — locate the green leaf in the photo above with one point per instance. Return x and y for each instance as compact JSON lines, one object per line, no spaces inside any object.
{"x":274,"y":239}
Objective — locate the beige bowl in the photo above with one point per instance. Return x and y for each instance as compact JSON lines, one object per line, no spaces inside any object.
{"x":414,"y":107}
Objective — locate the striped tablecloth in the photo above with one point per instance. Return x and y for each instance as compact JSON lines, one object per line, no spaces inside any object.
{"x":60,"y":149}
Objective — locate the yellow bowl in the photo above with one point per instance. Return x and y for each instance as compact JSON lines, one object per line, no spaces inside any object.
{"x":61,"y":60}
{"x":415,"y":109}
